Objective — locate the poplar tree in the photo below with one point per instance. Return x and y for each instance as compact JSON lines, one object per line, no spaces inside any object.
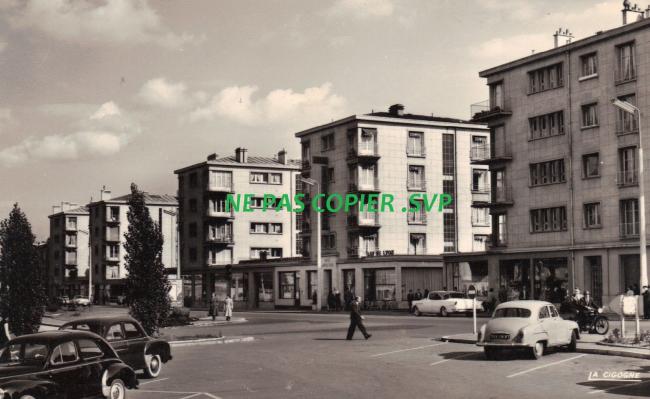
{"x":146,"y":284}
{"x":22,"y":294}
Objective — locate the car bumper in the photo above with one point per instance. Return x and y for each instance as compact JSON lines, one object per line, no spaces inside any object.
{"x":504,"y":345}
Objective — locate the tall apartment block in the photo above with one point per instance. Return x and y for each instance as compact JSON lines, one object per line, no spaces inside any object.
{"x":214,"y":240}
{"x":68,"y":253}
{"x":564,"y":168}
{"x":107,"y":225}
{"x":383,"y":255}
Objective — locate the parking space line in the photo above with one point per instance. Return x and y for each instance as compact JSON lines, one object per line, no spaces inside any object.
{"x":454,"y":358}
{"x":156,"y":380}
{"x":191,"y":396}
{"x":408,"y":349}
{"x":618,"y":387}
{"x":546,"y":365}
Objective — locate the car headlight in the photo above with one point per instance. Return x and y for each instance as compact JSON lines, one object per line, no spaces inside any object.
{"x":600,"y":310}
{"x":519,"y":337}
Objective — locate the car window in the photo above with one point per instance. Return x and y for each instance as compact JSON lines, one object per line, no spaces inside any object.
{"x":543,"y":313}
{"x":512,"y":312}
{"x":554,"y":312}
{"x":88,"y":349}
{"x":432,"y":296}
{"x":24,"y":354}
{"x":436,"y":297}
{"x":457,"y":295}
{"x":131,"y":331}
{"x":114,"y":333}
{"x":446,"y":296}
{"x":64,"y":353}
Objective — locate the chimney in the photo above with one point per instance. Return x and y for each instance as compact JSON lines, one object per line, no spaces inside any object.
{"x":241,"y":155}
{"x":212,"y":157}
{"x":282,"y":156}
{"x":396,"y":110}
{"x":104,"y":194}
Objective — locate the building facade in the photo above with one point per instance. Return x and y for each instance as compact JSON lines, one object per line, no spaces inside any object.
{"x":215,"y":239}
{"x":381,"y":256}
{"x":68,"y":251}
{"x":564,"y":169}
{"x":107,"y":225}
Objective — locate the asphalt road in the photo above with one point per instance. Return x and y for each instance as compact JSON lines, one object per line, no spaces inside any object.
{"x":306,"y":356}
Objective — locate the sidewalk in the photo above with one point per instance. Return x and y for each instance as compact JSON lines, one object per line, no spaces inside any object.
{"x":588,"y":343}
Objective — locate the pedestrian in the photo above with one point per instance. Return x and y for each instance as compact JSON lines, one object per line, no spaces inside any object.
{"x":314,"y":300}
{"x":5,"y":332}
{"x":214,"y":306}
{"x":636,"y":290}
{"x":409,"y":298}
{"x":646,"y":302}
{"x":331,"y":301}
{"x":356,"y":320}
{"x":348,"y":298}
{"x":337,"y":298}
{"x":426,"y":293}
{"x":228,"y":307}
{"x":418,"y":295}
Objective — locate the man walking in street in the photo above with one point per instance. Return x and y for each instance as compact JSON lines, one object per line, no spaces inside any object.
{"x":356,"y":320}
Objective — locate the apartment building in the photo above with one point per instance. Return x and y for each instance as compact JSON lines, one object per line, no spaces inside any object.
{"x":107,"y":225}
{"x":68,"y":254}
{"x":563,"y":163}
{"x":383,"y":255}
{"x":214,"y":240}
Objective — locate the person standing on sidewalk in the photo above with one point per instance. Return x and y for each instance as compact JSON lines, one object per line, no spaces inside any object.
{"x":214,"y":306}
{"x":356,"y":320}
{"x":646,"y":302}
{"x":229,"y":306}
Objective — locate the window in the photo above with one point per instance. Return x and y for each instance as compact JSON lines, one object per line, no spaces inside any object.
{"x":114,"y":213}
{"x":629,"y":217}
{"x":115,"y":333}
{"x":369,"y":244}
{"x":480,"y":181}
{"x":328,"y":241}
{"x":627,"y":166}
{"x":625,"y":62}
{"x":306,"y":151}
{"x":549,"y":172}
{"x":480,"y":242}
{"x":367,"y":143}
{"x":417,"y":244}
{"x":220,"y":179}
{"x":415,"y":177}
{"x":131,"y":331}
{"x":589,"y":65}
{"x":496,"y":96}
{"x":449,"y":187}
{"x":276,"y":228}
{"x":546,"y":125}
{"x":367,"y":175}
{"x":543,"y":313}
{"x":590,"y":115}
{"x":590,"y":165}
{"x":625,"y":121}
{"x":448,"y":156}
{"x":480,"y":216}
{"x":64,"y":353}
{"x":72,"y":223}
{"x":591,"y":215}
{"x":257,"y":177}
{"x":275,"y":178}
{"x":259,"y":228}
{"x":417,"y":216}
{"x":545,"y":78}
{"x":219,"y":256}
{"x":415,"y":144}
{"x":71,"y":240}
{"x":258,"y":203}
{"x":500,"y":229}
{"x":449,"y":231}
{"x":548,"y":220}
{"x":256,"y":253}
{"x":287,"y":285}
{"x":327,"y":142}
{"x":88,"y":349}
{"x":113,"y":251}
{"x":329,"y":175}
{"x":265,"y":178}
{"x":192,"y":205}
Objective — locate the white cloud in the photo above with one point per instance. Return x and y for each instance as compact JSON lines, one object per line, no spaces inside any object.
{"x":114,"y":21}
{"x":281,"y":105}
{"x":511,"y":47}
{"x":163,"y":93}
{"x":362,"y":8}
{"x":105,"y":132}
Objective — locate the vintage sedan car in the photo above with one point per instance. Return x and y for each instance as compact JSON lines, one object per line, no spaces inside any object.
{"x":129,"y":340}
{"x":63,"y":365}
{"x":530,"y":325}
{"x":79,"y":300}
{"x":444,"y":303}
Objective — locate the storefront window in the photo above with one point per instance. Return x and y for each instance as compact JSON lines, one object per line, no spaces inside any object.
{"x":287,"y":285}
{"x":379,"y":284}
{"x":265,"y":287}
{"x":187,"y":290}
{"x":348,"y":281}
{"x":472,"y":273}
{"x":199,"y":294}
{"x":220,"y":286}
{"x":594,"y":277}
{"x":630,"y":272}
{"x":514,"y":280}
{"x":312,"y":282}
{"x":239,"y":287}
{"x":551,"y":279}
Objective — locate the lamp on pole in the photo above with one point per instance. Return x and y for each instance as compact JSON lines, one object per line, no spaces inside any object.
{"x":643,"y":269}
{"x":319,"y":271}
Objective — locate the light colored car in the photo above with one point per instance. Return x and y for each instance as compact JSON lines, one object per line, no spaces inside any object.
{"x":81,"y":301}
{"x":530,"y":325}
{"x":444,"y":303}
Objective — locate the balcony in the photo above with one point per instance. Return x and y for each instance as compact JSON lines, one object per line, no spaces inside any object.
{"x":486,"y":154}
{"x":365,"y":153}
{"x":480,"y":194}
{"x":217,"y":187}
{"x":626,"y":178}
{"x":221,"y":214}
{"x":71,"y":227}
{"x":363,"y":220}
{"x":71,"y":262}
{"x":224,"y":239}
{"x":112,"y":257}
{"x":360,"y":187}
{"x":491,"y":113}
{"x":501,"y":197}
{"x":629,"y":229}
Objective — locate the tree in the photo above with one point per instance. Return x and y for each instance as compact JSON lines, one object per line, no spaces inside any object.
{"x":22,"y":294}
{"x":146,"y":284}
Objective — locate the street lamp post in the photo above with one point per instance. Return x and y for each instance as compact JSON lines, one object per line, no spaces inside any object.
{"x":643,"y":269}
{"x":319,"y":271}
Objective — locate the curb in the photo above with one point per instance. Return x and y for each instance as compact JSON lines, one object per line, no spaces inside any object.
{"x":456,"y":340}
{"x":210,"y":341}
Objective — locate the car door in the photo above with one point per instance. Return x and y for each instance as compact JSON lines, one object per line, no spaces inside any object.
{"x":115,"y":336}
{"x":64,"y":368}
{"x":547,"y":324}
{"x":561,"y":333}
{"x":434,"y":302}
{"x":137,"y":340}
{"x":92,"y":358}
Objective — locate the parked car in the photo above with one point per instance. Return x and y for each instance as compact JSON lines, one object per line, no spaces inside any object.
{"x":444,"y":303}
{"x":79,"y":300}
{"x":129,"y":340}
{"x":63,"y":300}
{"x":533,"y":326}
{"x":63,"y":364}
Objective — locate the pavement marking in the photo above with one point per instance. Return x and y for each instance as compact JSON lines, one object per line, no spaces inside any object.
{"x":454,"y":358}
{"x":408,"y":349}
{"x":546,"y":365}
{"x":156,"y":380}
{"x":618,"y":387}
{"x":192,"y":395}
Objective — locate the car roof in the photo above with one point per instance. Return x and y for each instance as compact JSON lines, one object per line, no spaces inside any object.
{"x":447,"y":292}
{"x":54,"y":337}
{"x":102,"y":320}
{"x":525,"y":304}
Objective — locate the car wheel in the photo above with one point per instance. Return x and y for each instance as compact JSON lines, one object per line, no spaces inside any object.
{"x":417,"y":312}
{"x":574,"y":342}
{"x":601,"y":326}
{"x":538,"y":350}
{"x":153,"y":365}
{"x":117,"y":390}
{"x":443,"y":312}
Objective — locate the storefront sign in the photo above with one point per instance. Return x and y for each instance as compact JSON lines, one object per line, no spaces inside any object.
{"x":372,"y":254}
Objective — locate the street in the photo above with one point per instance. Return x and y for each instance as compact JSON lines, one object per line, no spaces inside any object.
{"x":306,"y":355}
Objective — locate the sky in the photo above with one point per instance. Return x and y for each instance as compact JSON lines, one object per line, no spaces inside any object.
{"x":104,"y":93}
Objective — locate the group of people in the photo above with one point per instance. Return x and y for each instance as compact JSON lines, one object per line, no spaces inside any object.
{"x":335,"y":303}
{"x":214,"y":307}
{"x":416,"y":296}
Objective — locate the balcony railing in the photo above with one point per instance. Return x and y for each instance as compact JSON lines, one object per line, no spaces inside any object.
{"x":71,"y":226}
{"x":488,"y":114}
{"x":214,"y":213}
{"x":502,"y":195}
{"x":627,"y":178}
{"x":220,"y":187}
{"x":112,"y":257}
{"x":218,"y":262}
{"x":363,"y":219}
{"x":365,"y":151}
{"x":479,"y":152}
{"x":629,"y":229}
{"x":480,"y":189}
{"x":359,"y":186}
{"x":486,"y":153}
{"x":220,"y":239}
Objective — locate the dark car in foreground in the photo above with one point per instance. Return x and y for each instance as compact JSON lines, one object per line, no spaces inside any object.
{"x":63,"y":365}
{"x":130,"y":341}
